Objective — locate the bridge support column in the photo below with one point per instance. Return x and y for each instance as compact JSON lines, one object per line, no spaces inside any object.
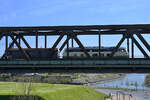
{"x":36,"y":41}
{"x":68,"y":46}
{"x":19,"y":41}
{"x":128,"y":47}
{"x":72,"y":42}
{"x":99,"y":40}
{"x":132,"y":48}
{"x":6,"y":42}
{"x":45,"y":41}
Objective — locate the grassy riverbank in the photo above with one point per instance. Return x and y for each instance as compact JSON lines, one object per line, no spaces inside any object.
{"x":9,"y":90}
{"x":59,"y":78}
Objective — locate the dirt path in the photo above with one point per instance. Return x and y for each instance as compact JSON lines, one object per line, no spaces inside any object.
{"x":126,"y":95}
{"x":121,"y":97}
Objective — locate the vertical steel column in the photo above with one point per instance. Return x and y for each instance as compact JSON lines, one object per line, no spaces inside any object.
{"x":132,"y":44}
{"x":128,"y":48}
{"x":67,"y":47}
{"x":72,"y":42}
{"x":99,"y":44}
{"x":19,"y":41}
{"x":36,"y":40}
{"x":45,"y":41}
{"x":6,"y":43}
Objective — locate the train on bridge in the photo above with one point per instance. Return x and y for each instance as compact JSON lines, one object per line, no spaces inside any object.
{"x":76,"y":52}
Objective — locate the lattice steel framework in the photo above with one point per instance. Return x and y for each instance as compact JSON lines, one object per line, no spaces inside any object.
{"x":127,"y":31}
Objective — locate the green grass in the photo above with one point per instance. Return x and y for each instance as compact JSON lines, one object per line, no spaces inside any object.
{"x":50,"y":91}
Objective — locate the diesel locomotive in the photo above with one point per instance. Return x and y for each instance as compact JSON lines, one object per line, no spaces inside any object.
{"x":76,"y":52}
{"x":94,"y":52}
{"x":34,"y":53}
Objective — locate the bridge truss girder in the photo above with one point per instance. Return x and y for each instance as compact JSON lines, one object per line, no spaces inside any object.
{"x":127,"y":31}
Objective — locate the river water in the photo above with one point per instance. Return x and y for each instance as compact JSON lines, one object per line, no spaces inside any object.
{"x":131,"y":81}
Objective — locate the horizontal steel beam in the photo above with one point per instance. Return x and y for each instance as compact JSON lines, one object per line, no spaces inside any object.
{"x":77,"y":27}
{"x":77,"y":33}
{"x":81,"y":30}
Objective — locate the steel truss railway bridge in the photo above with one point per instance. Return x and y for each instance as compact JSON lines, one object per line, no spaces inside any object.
{"x":88,"y":64}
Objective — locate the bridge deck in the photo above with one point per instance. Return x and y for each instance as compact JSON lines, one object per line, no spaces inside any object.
{"x":78,"y":63}
{"x":103,"y":65}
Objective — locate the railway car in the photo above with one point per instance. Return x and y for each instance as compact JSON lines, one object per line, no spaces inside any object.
{"x":105,"y":52}
{"x":34,"y":53}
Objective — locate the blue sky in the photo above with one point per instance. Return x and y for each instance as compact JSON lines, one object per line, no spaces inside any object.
{"x":75,"y":12}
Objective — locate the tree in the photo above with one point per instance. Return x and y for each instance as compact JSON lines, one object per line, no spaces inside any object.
{"x":143,"y":85}
{"x":136,"y":85}
{"x":127,"y":83}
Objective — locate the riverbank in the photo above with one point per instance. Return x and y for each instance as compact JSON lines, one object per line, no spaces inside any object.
{"x":94,"y":79}
{"x":57,"y":78}
{"x":108,"y":79}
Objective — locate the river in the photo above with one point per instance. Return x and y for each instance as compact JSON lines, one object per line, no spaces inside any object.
{"x":129,"y":81}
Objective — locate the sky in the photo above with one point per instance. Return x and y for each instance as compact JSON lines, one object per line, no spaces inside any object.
{"x":74,"y":12}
